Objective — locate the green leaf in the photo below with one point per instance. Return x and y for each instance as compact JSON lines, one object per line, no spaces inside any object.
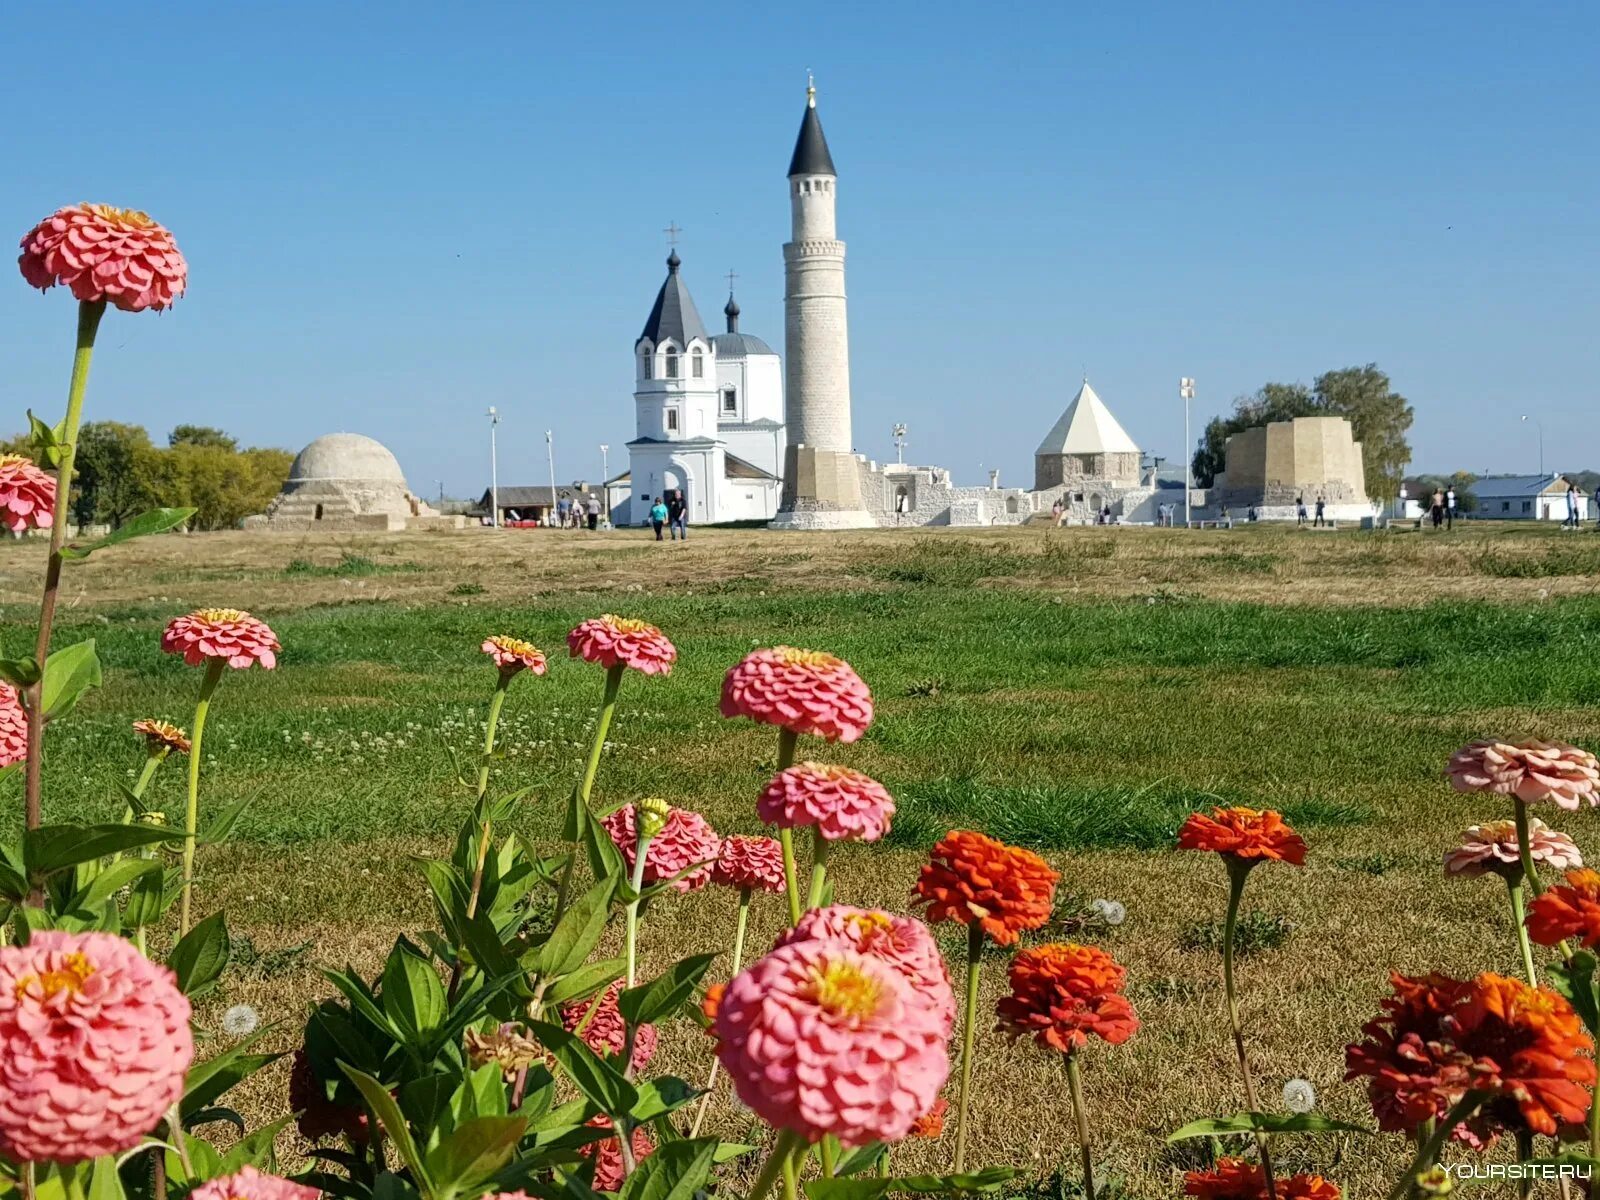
{"x":665,"y":994}
{"x":51,"y":848}
{"x":597,"y":1079}
{"x":68,"y":674}
{"x":157,"y":520}
{"x":728,"y":1151}
{"x":147,"y":900}
{"x":470,"y":1156}
{"x":200,"y":956}
{"x":575,"y":935}
{"x":585,"y":981}
{"x":21,"y":673}
{"x":208,"y":1081}
{"x":383,"y":1107}
{"x":13,"y":883}
{"x":862,"y":1158}
{"x":255,"y":1149}
{"x":576,"y":820}
{"x":104,"y":1182}
{"x":660,"y":1096}
{"x":674,"y":1172}
{"x":605,"y":860}
{"x":1574,"y":979}
{"x":361,"y":1001}
{"x":412,"y":996}
{"x":221,"y":827}
{"x":989,"y":1179}
{"x":485,"y":948}
{"x":1260,"y":1122}
{"x":112,"y":880}
{"x":331,"y":1030}
{"x":45,"y":441}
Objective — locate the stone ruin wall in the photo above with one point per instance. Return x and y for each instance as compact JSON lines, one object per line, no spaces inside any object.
{"x":1120,"y":469}
{"x":1273,"y":465}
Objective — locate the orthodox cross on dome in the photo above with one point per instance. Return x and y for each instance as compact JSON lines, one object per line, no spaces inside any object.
{"x":672,"y":231}
{"x":732,"y":275}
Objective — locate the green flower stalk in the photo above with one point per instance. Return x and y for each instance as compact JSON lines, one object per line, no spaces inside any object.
{"x":738,"y":962}
{"x":652,"y":818}
{"x":791,"y":875}
{"x":1080,"y":1115}
{"x":191,"y":811}
{"x":969,"y":1029}
{"x":1238,"y":873}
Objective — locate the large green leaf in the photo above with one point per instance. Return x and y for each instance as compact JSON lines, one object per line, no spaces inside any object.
{"x":989,"y":1179}
{"x":112,"y":880}
{"x":597,"y":1079}
{"x":51,"y":848}
{"x":157,"y":520}
{"x":221,"y":827}
{"x":413,"y":997}
{"x":383,"y":1107}
{"x":665,"y":994}
{"x":200,"y":956}
{"x":208,"y":1081}
{"x":674,"y":1172}
{"x":471,"y":1155}
{"x":21,"y":673}
{"x":585,"y":981}
{"x":104,"y":1182}
{"x":575,"y":935}
{"x":68,"y":673}
{"x":1574,"y":979}
{"x":361,"y":1000}
{"x":661,"y":1095}
{"x":1262,"y":1122}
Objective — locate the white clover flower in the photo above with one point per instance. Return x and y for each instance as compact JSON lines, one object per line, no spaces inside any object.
{"x":240,"y":1021}
{"x":1299,"y":1096}
{"x":1112,"y":912}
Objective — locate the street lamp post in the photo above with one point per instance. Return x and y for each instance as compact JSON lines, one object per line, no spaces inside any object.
{"x":605,"y":483}
{"x":550,"y":450}
{"x":900,"y":444}
{"x":494,"y":470}
{"x":1186,"y":391}
{"x":1540,"y":427}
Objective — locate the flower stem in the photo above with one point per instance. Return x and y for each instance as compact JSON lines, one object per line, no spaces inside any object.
{"x":819,"y":867}
{"x":1517,"y":915}
{"x":781,"y":1151}
{"x":738,"y":961}
{"x":484,"y":829}
{"x":89,"y":314}
{"x":1238,"y":873}
{"x":791,"y":876}
{"x":1080,"y":1114}
{"x":191,"y":813}
{"x":1530,"y":875}
{"x":968,"y":1032}
{"x":791,"y":1175}
{"x":1428,"y":1148}
{"x":1524,"y":1153}
{"x":608,"y":707}
{"x":633,"y":904}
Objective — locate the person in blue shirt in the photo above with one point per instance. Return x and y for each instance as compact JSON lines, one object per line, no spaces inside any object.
{"x":658,"y":517}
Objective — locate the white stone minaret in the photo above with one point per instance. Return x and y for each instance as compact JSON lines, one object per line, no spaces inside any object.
{"x":821,"y":477}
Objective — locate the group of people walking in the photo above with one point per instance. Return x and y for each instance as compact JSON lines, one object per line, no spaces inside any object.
{"x":1300,"y":512}
{"x":671,"y":511}
{"x":577,"y":513}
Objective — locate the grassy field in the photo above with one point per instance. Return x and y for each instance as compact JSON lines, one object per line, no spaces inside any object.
{"x":1078,"y":691}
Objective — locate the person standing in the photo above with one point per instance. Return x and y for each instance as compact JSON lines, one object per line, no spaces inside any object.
{"x":1450,"y":507}
{"x":1299,"y":510}
{"x":592,"y":509}
{"x":1320,"y":510}
{"x":1597,"y":506}
{"x":1436,"y":508}
{"x":658,"y":517}
{"x":678,"y":514}
{"x":1572,"y":505}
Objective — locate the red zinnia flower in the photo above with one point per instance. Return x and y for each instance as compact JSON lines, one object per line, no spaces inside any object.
{"x":1236,"y":1179}
{"x":803,"y":691}
{"x":1061,"y":994}
{"x":105,"y":253}
{"x":1570,"y":909}
{"x":513,"y":654}
{"x":319,"y":1116}
{"x":13,"y":727}
{"x":1531,"y":771}
{"x":162,"y":735}
{"x":1243,"y":833}
{"x":750,"y":862}
{"x":607,"y":1154}
{"x":841,"y":803}
{"x":612,"y":641}
{"x":27,"y":495}
{"x":226,"y":633}
{"x":974,"y":879}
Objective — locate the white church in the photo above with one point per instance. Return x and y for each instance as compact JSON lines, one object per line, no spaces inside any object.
{"x":708,"y":413}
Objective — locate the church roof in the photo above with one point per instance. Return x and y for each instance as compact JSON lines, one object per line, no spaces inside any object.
{"x":673,"y":317}
{"x":1087,"y":427}
{"x":739,"y":345}
{"x":811,"y":155}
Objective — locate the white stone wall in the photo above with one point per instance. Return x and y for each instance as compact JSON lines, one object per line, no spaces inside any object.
{"x":817,"y":343}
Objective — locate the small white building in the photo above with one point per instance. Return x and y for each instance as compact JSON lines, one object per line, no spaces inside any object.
{"x":709,"y":416}
{"x":1526,"y":498}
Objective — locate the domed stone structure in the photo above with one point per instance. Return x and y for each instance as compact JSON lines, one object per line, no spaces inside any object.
{"x":344,"y":480}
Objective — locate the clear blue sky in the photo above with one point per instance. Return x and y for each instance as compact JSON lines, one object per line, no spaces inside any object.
{"x":398,"y":214}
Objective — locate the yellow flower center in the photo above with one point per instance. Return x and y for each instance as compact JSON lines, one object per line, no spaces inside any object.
{"x":842,"y":989}
{"x":122,"y":216}
{"x":1498,"y":831}
{"x":75,"y":970}
{"x":513,"y":645}
{"x":625,"y":624}
{"x":868,"y":924}
{"x":805,"y":658}
{"x":14,"y":460}
{"x":220,"y":616}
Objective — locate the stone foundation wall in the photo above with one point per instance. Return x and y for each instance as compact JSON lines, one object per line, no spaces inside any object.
{"x":1056,"y":470}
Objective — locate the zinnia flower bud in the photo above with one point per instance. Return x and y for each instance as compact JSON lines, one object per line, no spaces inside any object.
{"x":226,"y":633}
{"x":513,"y":654}
{"x":27,"y":495}
{"x":247,"y":1183}
{"x":653,"y":813}
{"x":684,"y":840}
{"x":976,"y":880}
{"x":103,"y":253}
{"x":839,"y":802}
{"x":612,"y":641}
{"x":13,"y":727}
{"x":1531,"y":771}
{"x":803,"y":691}
{"x":94,"y":1044}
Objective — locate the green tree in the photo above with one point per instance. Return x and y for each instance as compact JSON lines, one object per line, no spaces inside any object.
{"x":201,"y":435}
{"x":118,"y":474}
{"x":1271,"y":402}
{"x":1379,"y":417}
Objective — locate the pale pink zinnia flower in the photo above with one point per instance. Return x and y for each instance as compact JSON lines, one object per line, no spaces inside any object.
{"x":105,"y":253}
{"x":612,"y":641}
{"x":686,"y":839}
{"x":903,"y":942}
{"x":247,"y":1183}
{"x":226,"y":633}
{"x":803,"y":691}
{"x":1531,"y":771}
{"x":1493,"y":846}
{"x":13,"y":727}
{"x":820,"y":1039}
{"x":607,"y":1032}
{"x":513,"y":654}
{"x":755,"y":863}
{"x":840,"y":802}
{"x":94,"y":1043}
{"x":27,"y":494}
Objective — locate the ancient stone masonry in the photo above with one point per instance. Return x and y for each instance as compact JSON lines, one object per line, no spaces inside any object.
{"x":1273,"y":466}
{"x":344,"y":481}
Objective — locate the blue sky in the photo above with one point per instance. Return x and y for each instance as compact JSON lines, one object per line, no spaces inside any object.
{"x":396,"y":215}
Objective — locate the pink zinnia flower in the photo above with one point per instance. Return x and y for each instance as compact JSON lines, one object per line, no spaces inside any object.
{"x":686,"y":839}
{"x":750,"y":862}
{"x":225,"y":633}
{"x":903,"y":942}
{"x":820,"y":1039}
{"x":94,"y":1043}
{"x":607,"y":1155}
{"x":840,"y":802}
{"x":803,"y":691}
{"x":513,"y":654}
{"x":1493,"y":846}
{"x":607,"y":1031}
{"x":612,"y":641}
{"x":105,"y":253}
{"x":13,"y":727}
{"x":1530,"y":771}
{"x":247,"y":1183}
{"x":27,"y":495}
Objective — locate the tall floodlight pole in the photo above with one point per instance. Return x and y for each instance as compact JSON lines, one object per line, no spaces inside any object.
{"x":550,"y":450}
{"x":1186,"y":391}
{"x":605,"y":483}
{"x":1540,"y":427}
{"x":900,"y":444}
{"x":494,"y":470}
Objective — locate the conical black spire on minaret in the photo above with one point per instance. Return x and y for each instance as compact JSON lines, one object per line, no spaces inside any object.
{"x":811,"y":155}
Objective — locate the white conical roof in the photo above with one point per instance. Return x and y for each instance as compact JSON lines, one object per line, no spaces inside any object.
{"x":1087,"y":427}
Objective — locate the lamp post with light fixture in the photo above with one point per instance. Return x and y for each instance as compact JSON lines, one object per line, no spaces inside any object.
{"x":494,"y":470}
{"x":1186,"y":392}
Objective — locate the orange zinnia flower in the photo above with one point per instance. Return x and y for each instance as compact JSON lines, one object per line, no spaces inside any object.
{"x":931,"y":1123}
{"x":976,"y":880}
{"x":1243,"y":834}
{"x":1060,"y":994}
{"x":1567,"y":910}
{"x":711,"y":1000}
{"x":1236,"y":1179}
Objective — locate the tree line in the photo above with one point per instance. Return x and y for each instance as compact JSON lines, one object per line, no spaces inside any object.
{"x":122,"y":473}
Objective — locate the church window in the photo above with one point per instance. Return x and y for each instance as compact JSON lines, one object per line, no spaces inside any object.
{"x":697,"y":364}
{"x":730,"y":400}
{"x":644,"y":365}
{"x":672,"y":363}
{"x":672,"y":420}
